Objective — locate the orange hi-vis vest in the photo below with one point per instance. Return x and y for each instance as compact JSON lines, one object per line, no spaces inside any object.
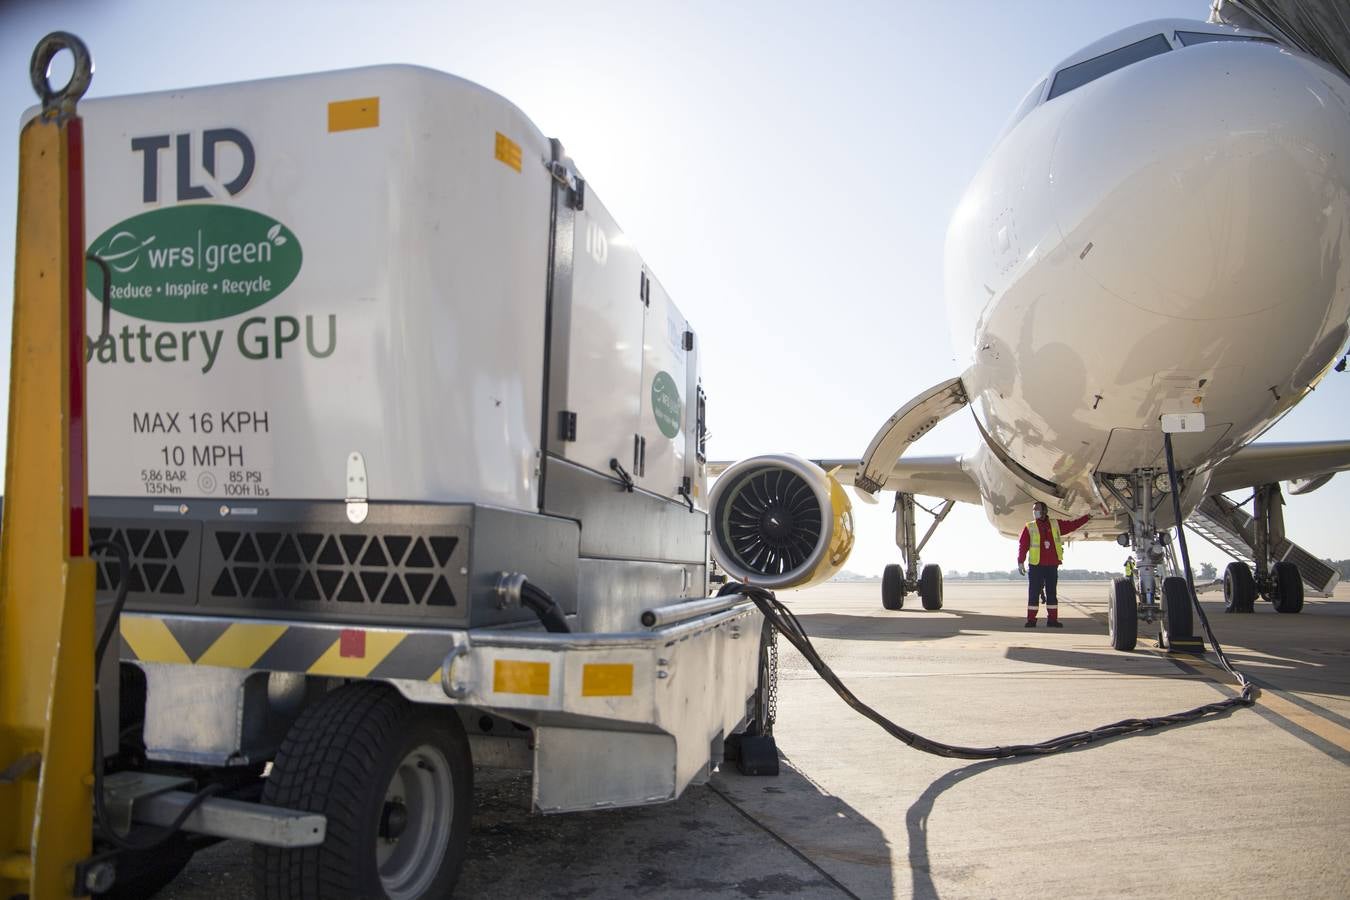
{"x":1034,"y":545}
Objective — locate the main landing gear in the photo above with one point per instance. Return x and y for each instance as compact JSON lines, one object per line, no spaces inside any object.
{"x":896,"y":580}
{"x":1153,"y":596}
{"x":1282,"y":582}
{"x":1283,"y":588}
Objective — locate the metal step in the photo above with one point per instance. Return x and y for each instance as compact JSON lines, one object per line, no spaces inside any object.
{"x":1316,"y":574}
{"x":1215,"y":520}
{"x":1221,"y":540}
{"x":1231,"y":529}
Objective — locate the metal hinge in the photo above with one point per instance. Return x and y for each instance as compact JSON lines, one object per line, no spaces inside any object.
{"x":567,"y":425}
{"x":358,"y":492}
{"x":645,"y":290}
{"x":575,"y":184}
{"x":686,"y":490}
{"x":689,"y":340}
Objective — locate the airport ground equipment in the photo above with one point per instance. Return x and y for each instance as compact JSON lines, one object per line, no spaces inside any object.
{"x":396,"y":467}
{"x":46,"y":577}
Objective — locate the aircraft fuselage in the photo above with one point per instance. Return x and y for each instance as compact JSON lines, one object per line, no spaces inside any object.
{"x":1172,"y":236}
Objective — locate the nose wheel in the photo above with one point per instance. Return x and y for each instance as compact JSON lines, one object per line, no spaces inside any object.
{"x":1122,"y":615}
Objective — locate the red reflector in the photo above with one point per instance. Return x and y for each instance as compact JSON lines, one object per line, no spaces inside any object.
{"x":352,"y":643}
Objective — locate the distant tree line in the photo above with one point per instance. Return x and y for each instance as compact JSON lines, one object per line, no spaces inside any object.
{"x":1205,"y":573}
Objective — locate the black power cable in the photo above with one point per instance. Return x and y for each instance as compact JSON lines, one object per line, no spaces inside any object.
{"x":542,"y":604}
{"x":1248,"y":695}
{"x":787,"y":624}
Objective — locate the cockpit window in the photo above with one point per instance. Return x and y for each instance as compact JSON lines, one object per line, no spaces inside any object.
{"x":1076,"y":76}
{"x":1027,"y":105}
{"x":1188,"y":38}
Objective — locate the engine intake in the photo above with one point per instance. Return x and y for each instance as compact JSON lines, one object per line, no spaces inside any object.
{"x":780,"y":521}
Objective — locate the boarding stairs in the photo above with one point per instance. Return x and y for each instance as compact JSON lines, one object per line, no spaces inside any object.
{"x":1231,"y":529}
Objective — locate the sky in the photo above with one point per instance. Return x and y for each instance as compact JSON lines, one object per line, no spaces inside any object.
{"x":787,"y":169}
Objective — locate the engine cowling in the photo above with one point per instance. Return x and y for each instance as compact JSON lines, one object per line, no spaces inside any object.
{"x":780,"y":521}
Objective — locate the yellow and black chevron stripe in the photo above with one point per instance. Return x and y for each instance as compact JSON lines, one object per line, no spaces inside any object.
{"x":341,"y":651}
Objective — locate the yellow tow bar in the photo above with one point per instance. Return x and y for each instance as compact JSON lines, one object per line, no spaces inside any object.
{"x":46,"y":577}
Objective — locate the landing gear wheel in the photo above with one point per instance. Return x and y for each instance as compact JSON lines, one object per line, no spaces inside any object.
{"x":930,"y":586}
{"x":1239,"y":588}
{"x":892,"y":587}
{"x":396,"y":783}
{"x":1288,"y":582}
{"x":1176,"y":620}
{"x":1122,"y":615}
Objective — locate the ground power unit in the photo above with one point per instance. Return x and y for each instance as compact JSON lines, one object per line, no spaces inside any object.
{"x":383,"y":388}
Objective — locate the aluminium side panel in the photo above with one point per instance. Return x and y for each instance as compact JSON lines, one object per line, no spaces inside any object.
{"x":313,"y":266}
{"x":665,"y":417}
{"x":597,"y":341}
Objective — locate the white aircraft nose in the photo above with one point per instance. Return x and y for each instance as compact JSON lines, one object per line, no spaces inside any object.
{"x":1210,"y":182}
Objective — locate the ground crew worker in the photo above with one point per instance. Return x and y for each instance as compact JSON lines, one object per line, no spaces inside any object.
{"x":1129,"y":567}
{"x":1046,"y":553}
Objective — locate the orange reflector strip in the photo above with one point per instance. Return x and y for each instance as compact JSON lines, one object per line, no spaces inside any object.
{"x":607,"y":680}
{"x":347,"y":115}
{"x":513,"y":676}
{"x":508,"y":151}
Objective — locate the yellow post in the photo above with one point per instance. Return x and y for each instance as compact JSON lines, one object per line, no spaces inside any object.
{"x":46,"y":579}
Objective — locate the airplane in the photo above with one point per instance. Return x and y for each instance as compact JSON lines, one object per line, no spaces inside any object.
{"x":1159,"y":240}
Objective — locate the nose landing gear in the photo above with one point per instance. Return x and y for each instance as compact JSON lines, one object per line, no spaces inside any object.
{"x":1156,"y":595}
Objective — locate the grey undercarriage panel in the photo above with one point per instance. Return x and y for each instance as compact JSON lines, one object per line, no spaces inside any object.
{"x":406,"y":563}
{"x":622,"y":524}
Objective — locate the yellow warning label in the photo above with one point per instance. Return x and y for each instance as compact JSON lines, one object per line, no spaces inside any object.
{"x":607,"y":680}
{"x":508,"y":151}
{"x":348,"y":115}
{"x":514,"y":676}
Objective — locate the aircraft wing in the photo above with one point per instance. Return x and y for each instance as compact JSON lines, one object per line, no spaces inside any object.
{"x":1309,"y":462}
{"x":932,"y":476}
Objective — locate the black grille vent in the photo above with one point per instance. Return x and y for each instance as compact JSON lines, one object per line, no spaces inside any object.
{"x":156,"y":558}
{"x":320,"y":567}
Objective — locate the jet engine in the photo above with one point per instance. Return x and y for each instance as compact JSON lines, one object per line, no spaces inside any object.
{"x":780,"y":521}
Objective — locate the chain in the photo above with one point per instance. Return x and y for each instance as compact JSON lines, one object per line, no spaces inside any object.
{"x":768,"y":674}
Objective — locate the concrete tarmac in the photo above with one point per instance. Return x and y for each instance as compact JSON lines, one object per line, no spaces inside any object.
{"x":1254,"y":802}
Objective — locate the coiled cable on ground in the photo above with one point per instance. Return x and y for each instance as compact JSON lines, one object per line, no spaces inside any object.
{"x":787,"y":624}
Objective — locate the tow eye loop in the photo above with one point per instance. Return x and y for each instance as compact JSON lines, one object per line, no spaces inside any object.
{"x":60,"y":103}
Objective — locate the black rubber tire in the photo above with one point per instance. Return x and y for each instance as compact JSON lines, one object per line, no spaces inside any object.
{"x":339,"y":759}
{"x":142,"y":874}
{"x":930,"y":586}
{"x":892,"y":587}
{"x":1177,"y":618}
{"x":1122,"y":615}
{"x":1239,"y":588}
{"x":1287,"y":596}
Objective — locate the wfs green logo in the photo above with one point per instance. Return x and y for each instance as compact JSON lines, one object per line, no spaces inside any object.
{"x":666,"y":408}
{"x":194,"y":263}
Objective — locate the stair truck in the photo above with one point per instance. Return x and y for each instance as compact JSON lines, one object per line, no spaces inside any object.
{"x":396,"y":454}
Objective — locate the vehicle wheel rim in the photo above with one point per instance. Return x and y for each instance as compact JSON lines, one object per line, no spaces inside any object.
{"x":422,"y":786}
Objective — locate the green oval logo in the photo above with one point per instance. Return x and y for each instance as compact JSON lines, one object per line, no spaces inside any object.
{"x":194,"y":263}
{"x":666,"y":405}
